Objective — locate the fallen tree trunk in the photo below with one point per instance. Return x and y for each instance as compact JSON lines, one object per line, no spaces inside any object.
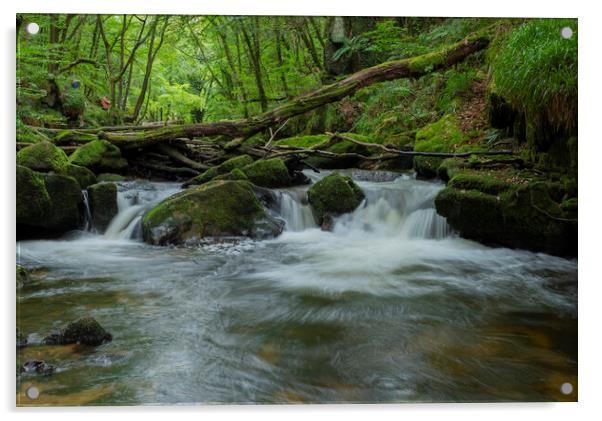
{"x":242,"y":129}
{"x":418,"y":153}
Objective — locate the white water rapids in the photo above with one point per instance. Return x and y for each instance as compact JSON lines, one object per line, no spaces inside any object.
{"x":391,"y":306}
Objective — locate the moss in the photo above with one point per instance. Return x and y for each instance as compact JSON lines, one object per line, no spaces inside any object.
{"x":65,"y":196}
{"x":99,"y":155}
{"x":74,"y":136}
{"x":103,"y":204}
{"x":268,"y":173}
{"x":527,"y":215}
{"x":482,"y":182}
{"x":235,"y":174}
{"x":304,"y":141}
{"x":334,"y":195}
{"x":85,"y":331}
{"x":108,"y":177}
{"x":215,"y":209}
{"x":43,"y":156}
{"x":443,"y":135}
{"x":84,"y":176}
{"x":33,"y":200}
{"x":222,"y":169}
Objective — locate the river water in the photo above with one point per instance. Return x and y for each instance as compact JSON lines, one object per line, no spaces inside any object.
{"x":391,"y":306}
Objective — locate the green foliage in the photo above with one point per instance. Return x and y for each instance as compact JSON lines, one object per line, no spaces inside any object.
{"x":535,"y":69}
{"x":458,"y":83}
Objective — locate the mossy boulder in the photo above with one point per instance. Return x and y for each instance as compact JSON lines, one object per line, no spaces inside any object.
{"x":220,"y":208}
{"x":47,"y":203}
{"x":529,"y":215}
{"x":443,"y":135}
{"x":235,"y":174}
{"x":108,"y":177}
{"x":85,"y":331}
{"x":269,"y":173}
{"x":222,"y":169}
{"x":33,"y":200}
{"x":43,"y":157}
{"x":82,"y":175}
{"x":65,"y":212}
{"x":99,"y":156}
{"x":334,"y":195}
{"x":103,"y":204}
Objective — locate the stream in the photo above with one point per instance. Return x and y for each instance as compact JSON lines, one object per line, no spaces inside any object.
{"x":391,"y":306}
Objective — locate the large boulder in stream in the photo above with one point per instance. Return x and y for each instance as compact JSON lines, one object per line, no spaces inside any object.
{"x":219,"y":208}
{"x":332,"y":196}
{"x":103,"y":204}
{"x":536,"y":215}
{"x":99,"y":156}
{"x":85,"y":331}
{"x":46,"y":203}
{"x":82,"y":175}
{"x":271,"y":173}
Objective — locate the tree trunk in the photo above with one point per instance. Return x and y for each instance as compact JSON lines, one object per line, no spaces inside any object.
{"x":241,"y":129}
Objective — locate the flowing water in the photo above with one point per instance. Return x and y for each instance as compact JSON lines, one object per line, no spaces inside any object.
{"x":391,"y":306}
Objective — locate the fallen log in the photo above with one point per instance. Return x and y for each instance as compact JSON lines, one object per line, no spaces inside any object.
{"x":241,"y":129}
{"x":180,"y":158}
{"x":418,"y":153}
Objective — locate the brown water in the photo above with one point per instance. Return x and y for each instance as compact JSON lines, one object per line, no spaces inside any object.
{"x":390,"y":307}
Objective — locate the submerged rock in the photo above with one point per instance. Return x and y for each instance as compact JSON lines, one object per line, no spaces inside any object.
{"x":220,"y":208}
{"x":103,"y":204}
{"x":43,"y":157}
{"x":99,"y":156}
{"x":38,"y":367}
{"x":85,"y":331}
{"x":332,"y":196}
{"x":268,"y":173}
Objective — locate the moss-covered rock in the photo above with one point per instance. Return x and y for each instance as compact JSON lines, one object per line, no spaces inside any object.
{"x":216,"y":209}
{"x":268,"y":173}
{"x":222,"y":169}
{"x":82,"y":175}
{"x":235,"y":174}
{"x":334,"y":195}
{"x":46,"y":203}
{"x":43,"y":157}
{"x":525,"y":215}
{"x":99,"y":156}
{"x":33,"y":200}
{"x":108,"y":177}
{"x":85,"y":331}
{"x":103,"y":204}
{"x":442,"y":136}
{"x":65,"y":212}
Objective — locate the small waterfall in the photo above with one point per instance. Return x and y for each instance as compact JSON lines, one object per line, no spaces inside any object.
{"x":401,"y":207}
{"x":295,"y":210}
{"x":87,"y":211}
{"x":133,"y":200}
